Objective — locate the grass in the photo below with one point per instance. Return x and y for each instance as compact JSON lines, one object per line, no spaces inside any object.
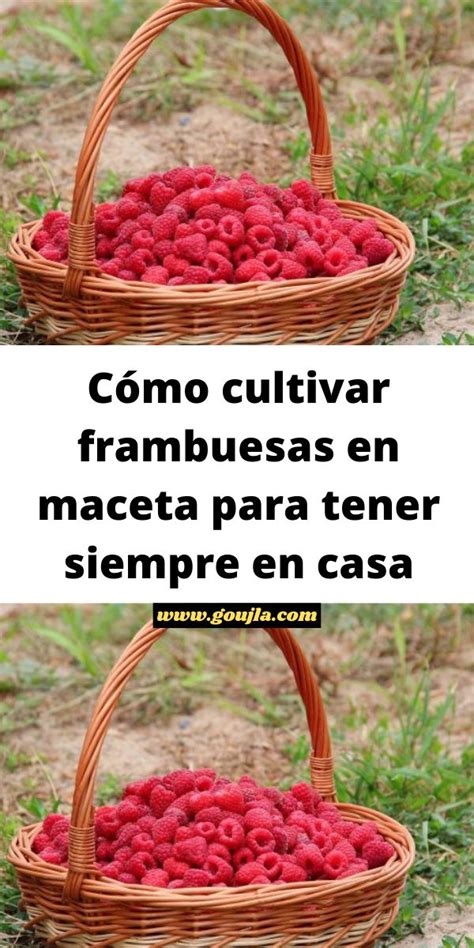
{"x":394,"y":751}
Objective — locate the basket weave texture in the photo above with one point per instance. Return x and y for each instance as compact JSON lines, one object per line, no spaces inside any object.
{"x":78,"y":907}
{"x":78,"y":304}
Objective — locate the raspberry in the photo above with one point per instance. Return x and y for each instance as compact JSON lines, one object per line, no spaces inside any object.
{"x":203,"y":180}
{"x":354,"y":869}
{"x":51,"y":252}
{"x":109,"y":224}
{"x":272,"y":262}
{"x":180,"y":782}
{"x":193,"y":248}
{"x":246,"y":874}
{"x":260,"y":841}
{"x":201,"y":197}
{"x":377,"y":852}
{"x":344,"y":846}
{"x":335,"y":863}
{"x":175,"y":265}
{"x":127,"y":230}
{"x":176,"y":884}
{"x":256,"y":818}
{"x":111,"y":267}
{"x":156,"y":275}
{"x":292,"y":270}
{"x":242,"y":254}
{"x":54,"y":221}
{"x":230,"y":194}
{"x":231,"y":798}
{"x":322,"y":826}
{"x":128,"y":811}
{"x":281,"y":839}
{"x":219,"y":870}
{"x":146,"y":221}
{"x":184,"y":832}
{"x":361,"y":231}
{"x":272,"y":864}
{"x":247,"y":271}
{"x":160,"y":196}
{"x":139,"y":186}
{"x":128,"y":210}
{"x":51,"y":855}
{"x":217,"y":849}
{"x":261,"y":238}
{"x":112,"y":871}
{"x":258,"y":214}
{"x":219,"y":268}
{"x":329,"y":209}
{"x":362,"y":834}
{"x":309,"y":254}
{"x":206,"y":226}
{"x":162,"y":248}
{"x":311,"y":859}
{"x":140,"y":260}
{"x":281,"y":236}
{"x":207,"y":830}
{"x":353,"y":266}
{"x":123,"y":252}
{"x":291,"y":872}
{"x":139,"y":788}
{"x":230,"y":231}
{"x":242,"y":856}
{"x":41,"y":841}
{"x":192,"y":851}
{"x":196,"y":878}
{"x":142,"y":843}
{"x":304,"y":190}
{"x":164,"y":227}
{"x":165,"y":829}
{"x":334,"y":261}
{"x":178,"y":210}
{"x":377,"y":250}
{"x":108,"y":826}
{"x":104,"y":248}
{"x":196,"y":275}
{"x":176,"y":281}
{"x":162,"y":851}
{"x":344,"y":828}
{"x":174,"y":868}
{"x":55,"y":823}
{"x":156,"y":877}
{"x":304,"y":793}
{"x":127,"y":878}
{"x":41,"y":238}
{"x":181,"y":179}
{"x":160,"y":800}
{"x":140,"y":863}
{"x":230,"y":833}
{"x":218,"y":246}
{"x":122,"y":855}
{"x":345,"y":244}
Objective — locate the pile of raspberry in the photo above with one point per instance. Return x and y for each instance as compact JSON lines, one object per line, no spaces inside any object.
{"x":194,"y":226}
{"x":194,"y":829}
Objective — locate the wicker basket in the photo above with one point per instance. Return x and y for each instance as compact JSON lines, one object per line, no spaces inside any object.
{"x":79,"y":304}
{"x":77,"y":907}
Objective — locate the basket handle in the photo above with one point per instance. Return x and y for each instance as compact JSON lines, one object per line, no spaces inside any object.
{"x":82,"y":835}
{"x":82,"y":230}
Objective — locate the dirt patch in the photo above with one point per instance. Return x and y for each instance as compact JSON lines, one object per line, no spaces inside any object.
{"x":445,"y":921}
{"x":447,"y":318}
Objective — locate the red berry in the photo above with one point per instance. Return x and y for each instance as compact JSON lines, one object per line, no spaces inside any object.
{"x":377,"y":249}
{"x":162,"y":851}
{"x":311,"y":859}
{"x":175,"y":868}
{"x":193,"y":248}
{"x":377,"y":852}
{"x":139,"y":261}
{"x":230,"y":231}
{"x":272,"y":262}
{"x":196,"y":878}
{"x":260,"y":841}
{"x":207,"y":830}
{"x":139,"y":864}
{"x":160,"y":196}
{"x":292,"y":270}
{"x":196,"y":275}
{"x":175,"y":265}
{"x":160,"y":800}
{"x":156,"y":275}
{"x":156,"y":877}
{"x":335,"y":863}
{"x":219,"y":870}
{"x":260,"y":238}
{"x":192,"y":851}
{"x":335,"y":260}
{"x":256,"y":818}
{"x":40,"y":842}
{"x":230,"y":833}
{"x":291,"y":872}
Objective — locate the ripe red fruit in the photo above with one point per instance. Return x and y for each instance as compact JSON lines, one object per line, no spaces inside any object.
{"x":156,"y":275}
{"x":260,"y":841}
{"x":160,"y":800}
{"x":196,"y":878}
{"x":377,"y":249}
{"x":156,"y":877}
{"x":377,"y":852}
{"x":160,"y":196}
{"x":261,"y":238}
{"x":230,"y":833}
{"x":192,"y":851}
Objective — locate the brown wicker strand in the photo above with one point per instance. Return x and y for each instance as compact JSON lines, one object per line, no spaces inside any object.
{"x":322,"y":174}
